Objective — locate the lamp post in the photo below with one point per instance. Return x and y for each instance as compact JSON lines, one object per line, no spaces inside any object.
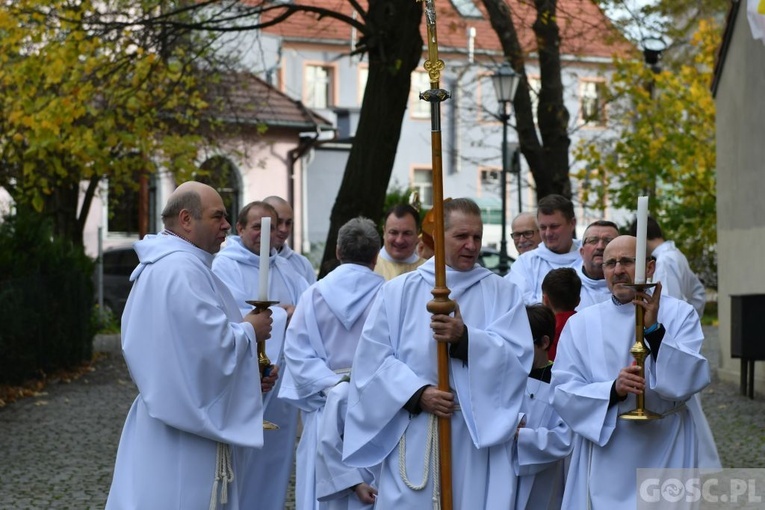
{"x":653,"y":47}
{"x":505,"y":81}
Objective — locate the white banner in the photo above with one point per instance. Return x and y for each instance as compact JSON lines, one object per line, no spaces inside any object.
{"x":755,"y":12}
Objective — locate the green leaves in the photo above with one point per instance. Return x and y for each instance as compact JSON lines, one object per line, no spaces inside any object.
{"x":665,"y":147}
{"x":81,"y":95}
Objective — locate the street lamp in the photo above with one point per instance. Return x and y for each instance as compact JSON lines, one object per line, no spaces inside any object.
{"x":653,"y":47}
{"x":505,"y":81}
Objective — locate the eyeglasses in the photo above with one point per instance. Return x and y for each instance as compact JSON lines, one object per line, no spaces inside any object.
{"x":595,"y":240}
{"x":526,"y":234}
{"x":625,"y":262}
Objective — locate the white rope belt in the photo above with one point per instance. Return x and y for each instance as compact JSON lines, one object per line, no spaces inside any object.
{"x":430,"y":465}
{"x":223,"y":473}
{"x":674,"y":410}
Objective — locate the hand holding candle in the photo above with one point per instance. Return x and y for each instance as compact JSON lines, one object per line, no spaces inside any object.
{"x":642,"y":225}
{"x":265,"y":252}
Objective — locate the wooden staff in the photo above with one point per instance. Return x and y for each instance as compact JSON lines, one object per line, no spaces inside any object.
{"x":441,"y":304}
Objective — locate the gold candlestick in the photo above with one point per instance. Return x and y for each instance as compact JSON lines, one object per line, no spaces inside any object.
{"x":640,"y":352}
{"x":263,"y":362}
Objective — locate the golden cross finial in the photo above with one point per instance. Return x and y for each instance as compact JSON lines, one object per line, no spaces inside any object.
{"x":433,"y":65}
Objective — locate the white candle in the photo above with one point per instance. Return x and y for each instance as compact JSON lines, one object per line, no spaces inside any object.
{"x":642,"y":225}
{"x":265,"y":252}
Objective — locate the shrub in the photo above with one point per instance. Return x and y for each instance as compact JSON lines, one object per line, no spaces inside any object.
{"x":46,"y":300}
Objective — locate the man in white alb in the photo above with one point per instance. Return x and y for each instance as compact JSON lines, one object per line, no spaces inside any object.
{"x":322,"y":338}
{"x":597,"y":235}
{"x":238,"y":265}
{"x":283,"y":230}
{"x":393,"y":402}
{"x":194,"y":360}
{"x":400,"y":239}
{"x":594,"y":380}
{"x":557,"y":226}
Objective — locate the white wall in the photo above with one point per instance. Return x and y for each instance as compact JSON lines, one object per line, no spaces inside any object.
{"x":740,"y":183}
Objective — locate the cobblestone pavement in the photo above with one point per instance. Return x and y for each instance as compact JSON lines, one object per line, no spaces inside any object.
{"x":57,"y":449}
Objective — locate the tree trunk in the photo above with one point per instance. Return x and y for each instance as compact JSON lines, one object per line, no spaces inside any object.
{"x":548,"y":158}
{"x":395,"y":48}
{"x":552,"y":115}
{"x":61,"y":207}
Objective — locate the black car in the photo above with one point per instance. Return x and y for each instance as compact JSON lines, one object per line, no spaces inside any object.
{"x":119,"y":263}
{"x":489,"y":258}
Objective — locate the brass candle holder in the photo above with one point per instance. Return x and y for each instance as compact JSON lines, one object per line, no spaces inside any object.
{"x":264,"y":363}
{"x":639,"y":351}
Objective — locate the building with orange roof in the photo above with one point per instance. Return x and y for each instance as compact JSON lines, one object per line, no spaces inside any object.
{"x":311,"y":58}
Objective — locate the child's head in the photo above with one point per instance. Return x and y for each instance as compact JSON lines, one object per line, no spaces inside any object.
{"x":542,"y":322}
{"x":561,"y":288}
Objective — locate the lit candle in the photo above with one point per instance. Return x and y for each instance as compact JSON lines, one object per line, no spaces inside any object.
{"x":642,"y":225}
{"x":265,"y":252}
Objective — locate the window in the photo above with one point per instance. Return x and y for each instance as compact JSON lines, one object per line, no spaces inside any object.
{"x":490,"y":178}
{"x":487,"y":104}
{"x":491,"y":210}
{"x":123,"y":204}
{"x":220,"y":173}
{"x":319,"y":89}
{"x":467,"y":8}
{"x":418,"y":108}
{"x":592,"y":109}
{"x":123,"y":208}
{"x":422,"y":182}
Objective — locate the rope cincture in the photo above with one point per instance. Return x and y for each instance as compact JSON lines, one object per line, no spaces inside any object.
{"x":430,"y":464}
{"x":224,"y":472}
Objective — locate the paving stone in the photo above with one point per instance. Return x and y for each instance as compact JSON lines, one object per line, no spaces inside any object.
{"x":57,"y":450}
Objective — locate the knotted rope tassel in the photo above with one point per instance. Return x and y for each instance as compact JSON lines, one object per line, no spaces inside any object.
{"x":430,"y":464}
{"x":223,"y":473}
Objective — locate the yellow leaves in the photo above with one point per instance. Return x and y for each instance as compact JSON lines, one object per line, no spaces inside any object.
{"x":665,"y":142}
{"x":75,"y":104}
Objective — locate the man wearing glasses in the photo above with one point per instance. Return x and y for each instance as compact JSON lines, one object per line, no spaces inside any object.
{"x":594,"y":381}
{"x":557,"y":224}
{"x":525,"y":232}
{"x":596,"y":237}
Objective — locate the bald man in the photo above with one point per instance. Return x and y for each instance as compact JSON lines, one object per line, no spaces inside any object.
{"x":298,"y":262}
{"x":594,"y":380}
{"x":194,"y":359}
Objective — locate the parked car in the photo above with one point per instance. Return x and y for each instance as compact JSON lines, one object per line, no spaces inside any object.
{"x":489,"y":258}
{"x":118,"y":263}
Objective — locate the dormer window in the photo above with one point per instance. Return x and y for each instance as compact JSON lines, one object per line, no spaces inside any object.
{"x":467,"y":8}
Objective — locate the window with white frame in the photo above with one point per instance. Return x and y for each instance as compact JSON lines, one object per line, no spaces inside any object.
{"x":422,"y":183}
{"x":419,"y":109}
{"x":592,"y":106}
{"x":319,"y":86}
{"x":490,"y":178}
{"x":488,"y":106}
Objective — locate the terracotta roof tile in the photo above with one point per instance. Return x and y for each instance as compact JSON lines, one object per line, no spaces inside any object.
{"x":245,"y":98}
{"x":585,"y":29}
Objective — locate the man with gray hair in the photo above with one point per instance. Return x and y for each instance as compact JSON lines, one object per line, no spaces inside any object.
{"x":320,"y":344}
